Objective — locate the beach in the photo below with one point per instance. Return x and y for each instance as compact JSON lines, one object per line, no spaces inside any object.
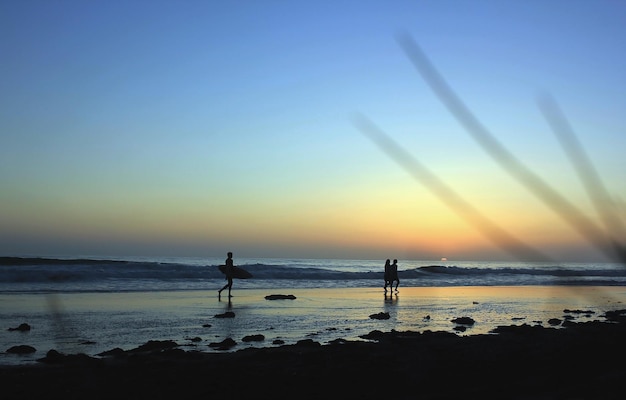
{"x":92,"y":323}
{"x":515,"y":342}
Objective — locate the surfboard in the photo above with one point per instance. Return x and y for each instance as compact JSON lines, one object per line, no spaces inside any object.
{"x":238,"y":273}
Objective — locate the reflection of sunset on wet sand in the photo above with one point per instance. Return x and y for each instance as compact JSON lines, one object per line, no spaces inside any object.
{"x":127,"y":320}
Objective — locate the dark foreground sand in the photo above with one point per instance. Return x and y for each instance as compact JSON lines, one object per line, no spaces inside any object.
{"x":579,"y":361}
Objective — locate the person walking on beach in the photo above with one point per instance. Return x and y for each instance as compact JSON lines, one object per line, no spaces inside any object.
{"x":387,"y":275}
{"x":229,"y":275}
{"x":393,"y":276}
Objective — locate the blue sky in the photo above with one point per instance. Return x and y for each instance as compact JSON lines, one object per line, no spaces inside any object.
{"x":192,"y":127}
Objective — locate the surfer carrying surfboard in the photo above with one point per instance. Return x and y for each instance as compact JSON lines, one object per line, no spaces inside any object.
{"x":228,"y":271}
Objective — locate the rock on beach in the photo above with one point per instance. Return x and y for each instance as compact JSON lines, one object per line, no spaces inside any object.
{"x":280,"y":297}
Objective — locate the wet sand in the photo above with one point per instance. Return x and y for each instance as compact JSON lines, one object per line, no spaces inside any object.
{"x":580,"y":357}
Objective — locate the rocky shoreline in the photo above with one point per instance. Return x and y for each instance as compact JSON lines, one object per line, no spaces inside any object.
{"x":576,"y":360}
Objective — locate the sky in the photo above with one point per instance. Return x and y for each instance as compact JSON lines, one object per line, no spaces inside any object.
{"x":193,"y":128}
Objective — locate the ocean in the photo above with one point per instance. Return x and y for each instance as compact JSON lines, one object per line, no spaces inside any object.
{"x":92,"y":304}
{"x":114,"y":274}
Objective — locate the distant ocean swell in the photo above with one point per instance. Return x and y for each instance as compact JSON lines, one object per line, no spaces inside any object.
{"x":34,"y":274}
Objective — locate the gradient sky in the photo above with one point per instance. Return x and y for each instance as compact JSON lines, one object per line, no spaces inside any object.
{"x":191,"y":128}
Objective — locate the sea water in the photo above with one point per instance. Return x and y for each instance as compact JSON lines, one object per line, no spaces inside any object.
{"x":114,"y":274}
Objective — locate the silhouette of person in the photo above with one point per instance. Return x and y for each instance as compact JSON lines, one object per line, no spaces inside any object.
{"x":393,"y":275}
{"x":229,"y":276}
{"x":387,"y":275}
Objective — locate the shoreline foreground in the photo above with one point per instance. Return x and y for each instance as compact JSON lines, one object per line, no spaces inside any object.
{"x":583,"y":361}
{"x":578,"y":360}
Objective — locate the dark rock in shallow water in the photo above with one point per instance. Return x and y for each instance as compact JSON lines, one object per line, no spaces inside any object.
{"x":55,"y":357}
{"x":615,"y":315}
{"x":22,"y":328}
{"x":52,"y":356}
{"x":380,"y":315}
{"x":227,"y":314}
{"x":373,"y":335}
{"x":406,"y":336}
{"x":224,"y":344}
{"x":253,"y":338}
{"x":463,"y":321}
{"x":460,"y":328}
{"x":113,"y":352}
{"x":307,"y":343}
{"x":569,"y":323}
{"x":522,"y":330}
{"x":22,"y":349}
{"x":278,"y":341}
{"x":280,"y":297}
{"x":554,"y":321}
{"x":154,"y":345}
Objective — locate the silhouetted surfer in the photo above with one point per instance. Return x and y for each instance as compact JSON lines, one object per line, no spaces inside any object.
{"x":229,"y":275}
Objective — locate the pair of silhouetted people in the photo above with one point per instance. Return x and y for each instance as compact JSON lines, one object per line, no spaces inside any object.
{"x":229,"y":275}
{"x":391,"y":274}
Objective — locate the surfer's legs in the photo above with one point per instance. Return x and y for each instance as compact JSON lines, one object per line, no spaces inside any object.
{"x":228,"y":285}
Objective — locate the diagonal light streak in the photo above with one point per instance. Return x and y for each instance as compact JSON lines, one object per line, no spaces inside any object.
{"x":446,"y":194}
{"x":603,"y":203}
{"x":555,"y":201}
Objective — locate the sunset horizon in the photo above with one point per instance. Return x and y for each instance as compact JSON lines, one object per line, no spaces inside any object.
{"x":192,"y":129}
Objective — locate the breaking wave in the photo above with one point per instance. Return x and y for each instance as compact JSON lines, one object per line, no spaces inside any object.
{"x":17,"y":273}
